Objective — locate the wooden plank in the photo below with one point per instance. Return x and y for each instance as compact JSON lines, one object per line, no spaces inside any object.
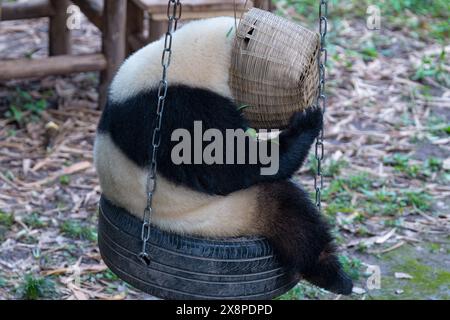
{"x":26,"y":10}
{"x":197,"y":15}
{"x":92,"y":9}
{"x":114,"y":43}
{"x":59,"y":65}
{"x":137,"y":41}
{"x":59,"y":35}
{"x":160,"y":6}
{"x":264,"y":4}
{"x":135,"y":24}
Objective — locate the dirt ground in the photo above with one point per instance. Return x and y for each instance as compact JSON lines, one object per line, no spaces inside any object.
{"x":387,"y":166}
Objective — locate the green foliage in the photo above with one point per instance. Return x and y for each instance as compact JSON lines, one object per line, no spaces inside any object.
{"x":400,"y":163}
{"x":331,"y":167}
{"x":34,"y":287}
{"x":390,"y":202}
{"x":230,"y":32}
{"x":429,"y":18}
{"x":34,"y":221}
{"x":109,"y":275}
{"x":6,"y":219}
{"x":418,"y":199}
{"x":64,"y":180}
{"x":303,"y":291}
{"x":76,"y":230}
{"x":24,"y":108}
{"x":352,"y":266}
{"x":433,"y":68}
{"x":340,"y":193}
{"x":369,"y":53}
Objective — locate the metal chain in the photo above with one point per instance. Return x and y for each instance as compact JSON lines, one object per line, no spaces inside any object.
{"x":321,"y":98}
{"x":174,"y":10}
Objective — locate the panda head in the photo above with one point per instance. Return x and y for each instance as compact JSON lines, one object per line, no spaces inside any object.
{"x":201,"y":59}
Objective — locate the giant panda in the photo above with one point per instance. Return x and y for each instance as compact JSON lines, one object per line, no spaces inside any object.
{"x":210,"y":200}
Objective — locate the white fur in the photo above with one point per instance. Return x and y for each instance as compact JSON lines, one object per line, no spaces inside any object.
{"x":201,"y":58}
{"x":176,"y":208}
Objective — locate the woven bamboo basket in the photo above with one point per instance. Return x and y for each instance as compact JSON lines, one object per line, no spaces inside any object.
{"x":274,"y":69}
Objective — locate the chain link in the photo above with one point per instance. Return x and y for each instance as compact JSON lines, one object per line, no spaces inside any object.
{"x":321,"y":98}
{"x":174,"y":9}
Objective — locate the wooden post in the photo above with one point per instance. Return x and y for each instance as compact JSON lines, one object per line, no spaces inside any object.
{"x":135,"y":24}
{"x":59,"y":35}
{"x":92,"y":9}
{"x":114,"y":37}
{"x":264,"y":4}
{"x":157,"y":29}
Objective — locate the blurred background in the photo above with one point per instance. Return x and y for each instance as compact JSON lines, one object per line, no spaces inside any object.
{"x":387,"y":145}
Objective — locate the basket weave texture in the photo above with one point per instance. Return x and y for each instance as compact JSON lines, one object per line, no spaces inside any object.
{"x":274,"y":68}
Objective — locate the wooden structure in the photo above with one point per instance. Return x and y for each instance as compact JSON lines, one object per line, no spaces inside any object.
{"x":122,"y":25}
{"x":108,"y":15}
{"x":192,"y":9}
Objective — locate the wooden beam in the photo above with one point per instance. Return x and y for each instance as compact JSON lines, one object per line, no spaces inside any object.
{"x":160,"y":6}
{"x":59,"y":65}
{"x":59,"y":36}
{"x":114,"y":43}
{"x":264,"y":4}
{"x":195,"y":15}
{"x":26,"y":10}
{"x":158,"y":27}
{"x":92,"y":9}
{"x":135,"y":24}
{"x":136,"y":42}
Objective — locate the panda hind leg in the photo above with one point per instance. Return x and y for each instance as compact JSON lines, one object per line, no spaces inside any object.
{"x":300,"y":236}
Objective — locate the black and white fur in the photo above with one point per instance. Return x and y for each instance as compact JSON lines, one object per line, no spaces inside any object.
{"x":216,"y":200}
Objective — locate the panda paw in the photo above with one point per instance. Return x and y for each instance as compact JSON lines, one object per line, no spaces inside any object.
{"x":309,"y":121}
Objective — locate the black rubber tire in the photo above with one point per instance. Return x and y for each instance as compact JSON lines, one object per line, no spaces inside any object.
{"x":188,"y":268}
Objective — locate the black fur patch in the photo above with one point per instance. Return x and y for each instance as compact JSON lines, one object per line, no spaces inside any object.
{"x":130,"y":125}
{"x":302,"y":238}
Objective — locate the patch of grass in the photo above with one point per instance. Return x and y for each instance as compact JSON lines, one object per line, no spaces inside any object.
{"x":331,"y":167}
{"x":24,"y":108}
{"x":437,"y":125}
{"x":6,"y":219}
{"x":35,"y":287}
{"x":340,"y":191}
{"x":109,"y":275}
{"x":433,"y":164}
{"x":340,"y":204}
{"x":369,"y":53}
{"x":418,"y":199}
{"x":334,"y":167}
{"x":352,"y":266}
{"x":424,"y":18}
{"x":34,"y":221}
{"x":433,"y":67}
{"x":401,"y":163}
{"x":294,"y":294}
{"x":64,"y":180}
{"x":76,"y":230}
{"x":303,"y":291}
{"x":390,"y":202}
{"x":426,"y":279}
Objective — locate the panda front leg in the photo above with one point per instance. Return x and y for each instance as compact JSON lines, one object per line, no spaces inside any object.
{"x":300,"y":235}
{"x":296,"y":141}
